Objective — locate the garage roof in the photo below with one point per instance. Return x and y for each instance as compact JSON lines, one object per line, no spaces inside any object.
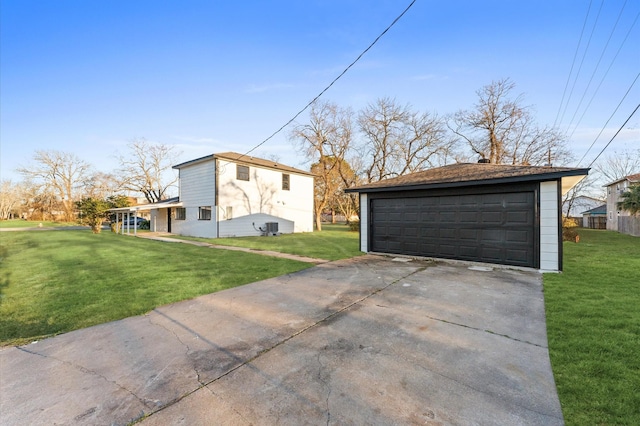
{"x":472,"y":174}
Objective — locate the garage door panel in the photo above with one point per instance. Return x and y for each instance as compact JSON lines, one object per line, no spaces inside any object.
{"x":490,"y":217}
{"x":492,"y":254}
{"x":519,"y":216}
{"x":447,"y":249}
{"x":447,"y":217}
{"x":495,"y":228}
{"x":523,"y":237}
{"x":492,"y":235}
{"x":468,"y":251}
{"x":469,"y":234}
{"x":428,"y":216}
{"x":468,"y":217}
{"x":447,"y":233}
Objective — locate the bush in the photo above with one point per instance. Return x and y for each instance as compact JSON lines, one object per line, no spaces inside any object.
{"x":354,"y":225}
{"x":570,"y":234}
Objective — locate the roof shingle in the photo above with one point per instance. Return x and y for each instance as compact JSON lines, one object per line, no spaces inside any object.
{"x":472,"y":174}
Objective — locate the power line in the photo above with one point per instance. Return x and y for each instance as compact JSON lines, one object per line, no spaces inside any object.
{"x":334,"y":80}
{"x":610,"y":117}
{"x":575,"y":55}
{"x":595,"y":23}
{"x":604,"y":76}
{"x":614,"y":136}
{"x":595,"y":69}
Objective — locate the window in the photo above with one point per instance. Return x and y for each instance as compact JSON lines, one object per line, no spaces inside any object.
{"x":242,"y":172}
{"x":204,"y":213}
{"x":610,"y":215}
{"x":229,"y":212}
{"x":285,"y":182}
{"x":181,"y":213}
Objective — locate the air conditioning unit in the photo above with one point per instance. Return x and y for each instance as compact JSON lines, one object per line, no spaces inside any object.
{"x":272,"y":228}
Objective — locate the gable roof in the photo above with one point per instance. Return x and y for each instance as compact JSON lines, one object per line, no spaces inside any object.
{"x":597,"y":210}
{"x":245,"y":160}
{"x":472,"y":174}
{"x":635,"y":178}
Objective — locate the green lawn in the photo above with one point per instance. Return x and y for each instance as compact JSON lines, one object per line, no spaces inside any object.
{"x":19,"y":223}
{"x":332,"y":243}
{"x":593,"y":325}
{"x":53,"y":282}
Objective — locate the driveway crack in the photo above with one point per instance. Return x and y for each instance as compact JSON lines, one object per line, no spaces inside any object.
{"x":321,"y":375}
{"x":186,"y":346}
{"x":285,"y":340}
{"x":86,"y":370}
{"x":484,"y":330}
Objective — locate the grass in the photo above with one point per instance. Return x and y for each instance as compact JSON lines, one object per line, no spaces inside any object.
{"x":19,"y":223}
{"x":55,"y":282}
{"x":332,"y":243}
{"x":593,"y":325}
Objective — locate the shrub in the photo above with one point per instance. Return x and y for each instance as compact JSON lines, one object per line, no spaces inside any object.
{"x":570,"y":234}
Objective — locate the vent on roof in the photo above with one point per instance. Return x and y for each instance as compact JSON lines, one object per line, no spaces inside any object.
{"x":484,"y":161}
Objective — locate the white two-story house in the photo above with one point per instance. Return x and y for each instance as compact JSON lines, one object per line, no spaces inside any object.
{"x":234,"y":195}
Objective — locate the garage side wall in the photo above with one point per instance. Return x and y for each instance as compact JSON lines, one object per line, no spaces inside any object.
{"x":549,"y":227}
{"x":364,"y":223}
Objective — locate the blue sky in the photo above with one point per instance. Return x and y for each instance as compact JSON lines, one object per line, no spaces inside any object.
{"x":211,"y":76}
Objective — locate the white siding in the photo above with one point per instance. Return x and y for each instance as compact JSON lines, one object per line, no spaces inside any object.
{"x":242,"y":206}
{"x":549,"y":228}
{"x":158,"y":221}
{"x":197,"y":189}
{"x":263,"y":194}
{"x":248,"y":226}
{"x":364,"y":222}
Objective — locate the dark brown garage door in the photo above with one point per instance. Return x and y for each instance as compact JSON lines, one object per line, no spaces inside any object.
{"x":493,"y":228}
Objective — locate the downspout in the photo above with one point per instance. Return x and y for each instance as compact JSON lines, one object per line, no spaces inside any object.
{"x":215,"y":195}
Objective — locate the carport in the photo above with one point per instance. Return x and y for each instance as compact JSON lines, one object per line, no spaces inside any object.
{"x":160,"y":215}
{"x":479,"y":212}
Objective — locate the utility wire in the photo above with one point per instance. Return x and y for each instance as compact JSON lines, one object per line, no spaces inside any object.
{"x":575,"y":80}
{"x":614,"y":136}
{"x":334,"y":80}
{"x":575,"y":55}
{"x":595,"y":69}
{"x":610,"y":117}
{"x":604,"y":76}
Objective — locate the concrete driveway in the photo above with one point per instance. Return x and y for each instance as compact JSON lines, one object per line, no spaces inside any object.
{"x":362,"y":341}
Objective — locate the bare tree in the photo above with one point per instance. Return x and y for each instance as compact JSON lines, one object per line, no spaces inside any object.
{"x":11,"y":197}
{"x":502,"y":130}
{"x":327,"y":135}
{"x":619,"y":164}
{"x":337,"y":177}
{"x":100,"y":185}
{"x":58,"y":174}
{"x":398,"y":140}
{"x":146,"y":169}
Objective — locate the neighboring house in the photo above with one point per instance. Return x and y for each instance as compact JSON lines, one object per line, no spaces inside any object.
{"x":233,"y":195}
{"x":575,"y":207}
{"x":486,"y":213}
{"x":595,"y":218}
{"x":614,"y":191}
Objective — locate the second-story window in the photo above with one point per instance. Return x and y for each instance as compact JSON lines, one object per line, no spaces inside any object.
{"x":285,"y":182}
{"x":242,"y":172}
